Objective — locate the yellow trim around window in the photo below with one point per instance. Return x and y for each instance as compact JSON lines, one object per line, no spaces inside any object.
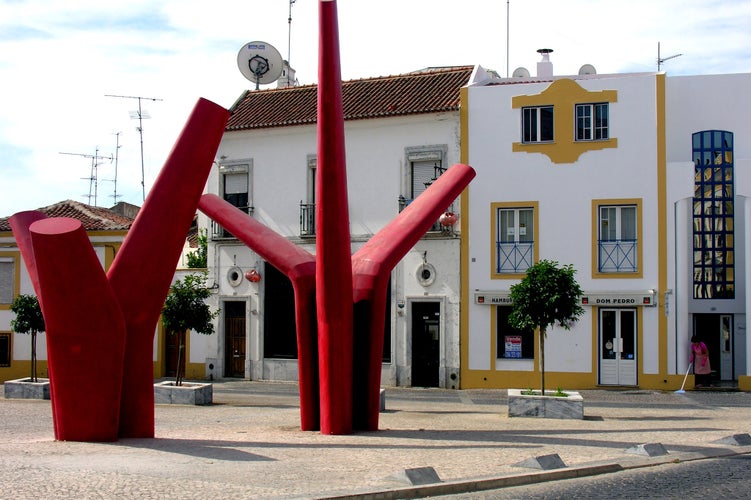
{"x":535,"y":206}
{"x":564,"y":95}
{"x":596,"y":204}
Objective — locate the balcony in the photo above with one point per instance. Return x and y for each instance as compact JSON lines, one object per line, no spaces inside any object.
{"x":617,"y":256}
{"x":514,"y":257}
{"x":436,"y":227}
{"x":219,"y":233}
{"x":307,"y":220}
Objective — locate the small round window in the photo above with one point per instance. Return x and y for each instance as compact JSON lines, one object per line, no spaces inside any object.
{"x":235,"y":276}
{"x":426,"y":274}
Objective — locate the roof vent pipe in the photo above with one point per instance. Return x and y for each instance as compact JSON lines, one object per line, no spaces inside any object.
{"x":545,"y":67}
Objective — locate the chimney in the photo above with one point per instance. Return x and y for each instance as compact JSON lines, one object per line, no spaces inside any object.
{"x":545,"y":67}
{"x":288,"y":77}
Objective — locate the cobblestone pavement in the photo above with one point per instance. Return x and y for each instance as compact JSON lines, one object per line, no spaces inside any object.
{"x":248,"y":445}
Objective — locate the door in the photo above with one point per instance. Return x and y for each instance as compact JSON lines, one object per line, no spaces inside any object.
{"x":716,"y":331}
{"x":426,"y":343}
{"x":617,"y":346}
{"x":234,"y":339}
{"x":171,"y":351}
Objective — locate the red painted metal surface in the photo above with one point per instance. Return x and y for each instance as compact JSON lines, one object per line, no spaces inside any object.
{"x":85,"y":332}
{"x":130,"y":296}
{"x":350,"y":291}
{"x":299,"y":266}
{"x":334,"y":275}
{"x":142,"y":271}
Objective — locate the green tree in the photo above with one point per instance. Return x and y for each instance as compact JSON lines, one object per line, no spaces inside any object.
{"x":185,"y":309}
{"x":28,"y":319}
{"x":547,"y":295}
{"x":197,"y":258}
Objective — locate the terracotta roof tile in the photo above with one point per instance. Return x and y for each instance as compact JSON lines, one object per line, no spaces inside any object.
{"x":426,"y":91}
{"x":92,"y":218}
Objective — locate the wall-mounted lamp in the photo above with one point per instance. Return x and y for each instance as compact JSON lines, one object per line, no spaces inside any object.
{"x":253,"y":276}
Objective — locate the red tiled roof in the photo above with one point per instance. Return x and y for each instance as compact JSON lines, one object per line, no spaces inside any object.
{"x":92,"y":218}
{"x":426,"y":91}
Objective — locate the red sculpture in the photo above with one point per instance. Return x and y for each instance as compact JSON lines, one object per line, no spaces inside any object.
{"x":339,"y":392}
{"x":100,"y":328}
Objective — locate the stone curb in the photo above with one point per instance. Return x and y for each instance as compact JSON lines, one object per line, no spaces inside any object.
{"x":492,"y":483}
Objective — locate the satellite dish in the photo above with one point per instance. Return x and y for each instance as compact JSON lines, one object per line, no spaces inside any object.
{"x":260,"y":62}
{"x":520,"y":72}
{"x":587,"y":69}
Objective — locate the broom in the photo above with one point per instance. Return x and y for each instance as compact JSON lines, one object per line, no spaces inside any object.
{"x":681,"y":391}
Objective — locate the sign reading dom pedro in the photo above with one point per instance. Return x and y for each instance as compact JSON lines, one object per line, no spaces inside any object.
{"x":646,"y":298}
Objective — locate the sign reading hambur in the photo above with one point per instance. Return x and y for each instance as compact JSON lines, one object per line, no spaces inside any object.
{"x":646,"y":298}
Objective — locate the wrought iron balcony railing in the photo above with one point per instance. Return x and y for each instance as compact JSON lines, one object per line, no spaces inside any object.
{"x":307,"y":219}
{"x":219,"y":233}
{"x":617,"y":256}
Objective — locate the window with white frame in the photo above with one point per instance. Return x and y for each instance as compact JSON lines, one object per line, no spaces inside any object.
{"x":537,"y":124}
{"x":7,"y":280}
{"x":514,"y":240}
{"x":592,"y":122}
{"x":308,"y":206}
{"x":617,"y":239}
{"x":425,"y":165}
{"x":235,"y":188}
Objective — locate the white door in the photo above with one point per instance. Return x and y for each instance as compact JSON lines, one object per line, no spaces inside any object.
{"x":617,"y":346}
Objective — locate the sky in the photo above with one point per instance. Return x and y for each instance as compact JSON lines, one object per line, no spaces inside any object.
{"x":63,"y":137}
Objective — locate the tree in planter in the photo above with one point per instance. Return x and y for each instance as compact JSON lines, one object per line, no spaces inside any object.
{"x":547,"y":295}
{"x":185,"y":309}
{"x":28,"y":319}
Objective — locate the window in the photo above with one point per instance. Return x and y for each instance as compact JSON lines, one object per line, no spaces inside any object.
{"x":537,"y":124}
{"x":514,"y":239}
{"x":713,"y":215}
{"x":234,"y":186}
{"x":5,"y":349}
{"x":7,"y":280}
{"x":617,"y":239}
{"x":510,"y":342}
{"x":308,"y":208}
{"x":592,"y":122}
{"x":425,"y":166}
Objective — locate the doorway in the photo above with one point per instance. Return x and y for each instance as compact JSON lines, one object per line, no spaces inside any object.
{"x":426,"y":343}
{"x":617,"y":346}
{"x":234,"y":338}
{"x":716,"y":331}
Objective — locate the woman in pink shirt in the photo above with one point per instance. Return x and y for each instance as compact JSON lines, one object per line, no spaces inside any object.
{"x":700,"y":358}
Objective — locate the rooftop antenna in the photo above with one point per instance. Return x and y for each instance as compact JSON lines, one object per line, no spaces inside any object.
{"x":94,"y":175}
{"x":507,"y":35}
{"x":289,"y":35}
{"x":140,"y":115}
{"x":115,"y":196}
{"x":260,"y":62}
{"x":661,"y":60}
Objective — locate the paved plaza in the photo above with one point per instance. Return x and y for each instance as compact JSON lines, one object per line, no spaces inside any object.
{"x":248,"y":445}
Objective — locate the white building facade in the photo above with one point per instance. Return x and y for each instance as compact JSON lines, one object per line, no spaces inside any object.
{"x":401,"y":133}
{"x":641,"y":182}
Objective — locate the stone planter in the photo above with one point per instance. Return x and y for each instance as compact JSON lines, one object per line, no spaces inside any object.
{"x":548,"y":406}
{"x":190,"y":393}
{"x":24,"y":388}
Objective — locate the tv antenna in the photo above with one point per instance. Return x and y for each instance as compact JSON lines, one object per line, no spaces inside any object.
{"x":115,"y":196}
{"x":94,"y":175}
{"x":260,"y":62}
{"x":289,"y":34}
{"x":661,"y":60}
{"x":140,"y":115}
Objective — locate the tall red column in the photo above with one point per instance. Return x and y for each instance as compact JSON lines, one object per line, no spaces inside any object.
{"x":85,"y":332}
{"x":333,"y":268}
